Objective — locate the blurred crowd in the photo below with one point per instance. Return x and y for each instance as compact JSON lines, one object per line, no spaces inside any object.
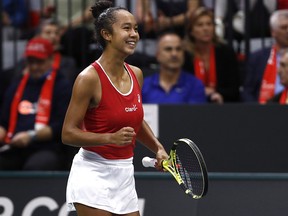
{"x":212,"y":31}
{"x":190,"y":52}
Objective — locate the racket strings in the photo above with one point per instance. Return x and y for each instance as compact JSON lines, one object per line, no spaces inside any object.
{"x":190,"y":170}
{"x":184,"y":174}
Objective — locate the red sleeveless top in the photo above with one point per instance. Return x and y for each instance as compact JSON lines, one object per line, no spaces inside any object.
{"x":115,"y":111}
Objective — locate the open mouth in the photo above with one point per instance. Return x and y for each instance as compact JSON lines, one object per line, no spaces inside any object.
{"x":132,"y":43}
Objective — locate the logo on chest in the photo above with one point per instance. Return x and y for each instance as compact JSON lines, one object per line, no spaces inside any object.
{"x":131,"y":109}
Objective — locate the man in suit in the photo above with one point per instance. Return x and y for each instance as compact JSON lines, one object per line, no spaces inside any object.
{"x":261,"y":79}
{"x":282,"y":97}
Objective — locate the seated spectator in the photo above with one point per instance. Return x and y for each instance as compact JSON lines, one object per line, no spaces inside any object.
{"x":261,"y":79}
{"x":24,"y":17}
{"x":33,"y":112}
{"x":50,"y":29}
{"x":210,"y":60}
{"x":282,"y":97}
{"x":77,"y":21}
{"x":74,"y":14}
{"x":172,"y":85}
{"x":14,"y":16}
{"x":259,"y":10}
{"x":15,"y":13}
{"x":168,"y":15}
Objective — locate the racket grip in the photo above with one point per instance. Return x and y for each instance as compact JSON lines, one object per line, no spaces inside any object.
{"x":149,"y":162}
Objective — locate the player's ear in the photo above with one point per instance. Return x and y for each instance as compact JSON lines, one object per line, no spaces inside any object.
{"x":106,"y":34}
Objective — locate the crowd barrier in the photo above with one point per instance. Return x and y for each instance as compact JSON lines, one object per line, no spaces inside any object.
{"x":237,"y":194}
{"x":244,"y":146}
{"x":232,"y":137}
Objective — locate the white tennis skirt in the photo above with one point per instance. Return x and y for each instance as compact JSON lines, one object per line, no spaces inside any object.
{"x":101,"y":183}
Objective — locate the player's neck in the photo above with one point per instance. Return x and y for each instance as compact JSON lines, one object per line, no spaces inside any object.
{"x":111,"y":65}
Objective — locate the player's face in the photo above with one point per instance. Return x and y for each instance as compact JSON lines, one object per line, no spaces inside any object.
{"x":125,"y":33}
{"x":283,"y":70}
{"x":203,"y":29}
{"x":170,"y":52}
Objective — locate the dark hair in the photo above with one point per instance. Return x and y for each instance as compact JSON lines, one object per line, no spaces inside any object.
{"x":45,"y":22}
{"x":167,"y":32}
{"x":104,"y":15}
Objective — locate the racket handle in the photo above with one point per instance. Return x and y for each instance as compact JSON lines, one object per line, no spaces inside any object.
{"x":149,"y":162}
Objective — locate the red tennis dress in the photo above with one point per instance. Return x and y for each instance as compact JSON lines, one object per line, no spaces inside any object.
{"x":115,"y":111}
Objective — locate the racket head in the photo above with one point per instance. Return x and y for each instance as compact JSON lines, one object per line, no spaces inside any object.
{"x":189,"y":167}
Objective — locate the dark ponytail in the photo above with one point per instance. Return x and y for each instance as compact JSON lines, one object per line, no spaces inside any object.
{"x":104,"y":15}
{"x":99,"y":7}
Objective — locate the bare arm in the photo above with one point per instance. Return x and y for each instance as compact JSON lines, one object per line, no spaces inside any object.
{"x":180,"y":19}
{"x":85,"y":17}
{"x":86,"y":94}
{"x":139,"y":74}
{"x":23,"y":138}
{"x":144,"y":14}
{"x":2,"y":134}
{"x":142,"y":9}
{"x":145,"y":135}
{"x":148,"y":139}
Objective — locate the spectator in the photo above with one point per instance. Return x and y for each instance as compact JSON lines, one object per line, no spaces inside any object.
{"x":14,"y":16}
{"x":75,"y":18}
{"x":259,"y":10}
{"x":15,"y":13}
{"x":172,"y":84}
{"x":261,"y":79}
{"x":33,"y":112}
{"x":23,"y":16}
{"x":230,"y":18}
{"x":282,"y":97}
{"x":212,"y":61}
{"x":74,"y":14}
{"x":169,"y":15}
{"x":51,"y":30}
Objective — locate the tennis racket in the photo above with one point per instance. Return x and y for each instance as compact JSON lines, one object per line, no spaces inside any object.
{"x":187,"y":166}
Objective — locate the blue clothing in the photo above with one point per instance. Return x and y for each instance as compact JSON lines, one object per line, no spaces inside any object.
{"x":188,"y":89}
{"x":17,"y":11}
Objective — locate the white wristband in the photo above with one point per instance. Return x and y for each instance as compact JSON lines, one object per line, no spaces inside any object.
{"x":32,"y":134}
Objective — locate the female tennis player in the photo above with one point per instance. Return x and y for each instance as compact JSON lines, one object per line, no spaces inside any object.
{"x":104,"y":118}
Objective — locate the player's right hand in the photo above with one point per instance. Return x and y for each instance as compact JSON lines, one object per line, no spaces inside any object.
{"x":124,"y":136}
